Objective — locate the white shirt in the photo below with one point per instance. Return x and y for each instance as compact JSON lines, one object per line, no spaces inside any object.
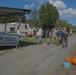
{"x":38,"y":33}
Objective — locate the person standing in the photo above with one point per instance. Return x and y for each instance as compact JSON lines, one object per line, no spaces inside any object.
{"x":40,"y":30}
{"x":53,"y":36}
{"x":66,"y":38}
{"x":38,"y":36}
{"x":62,"y":38}
{"x":58,"y":37}
{"x":48,"y":36}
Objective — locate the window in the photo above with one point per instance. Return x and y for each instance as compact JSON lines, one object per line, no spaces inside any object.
{"x":12,"y":29}
{"x":25,"y":26}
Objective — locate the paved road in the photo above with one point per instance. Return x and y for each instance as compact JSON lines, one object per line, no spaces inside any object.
{"x":35,"y":60}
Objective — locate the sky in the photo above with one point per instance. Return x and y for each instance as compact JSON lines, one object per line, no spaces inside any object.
{"x":66,"y":8}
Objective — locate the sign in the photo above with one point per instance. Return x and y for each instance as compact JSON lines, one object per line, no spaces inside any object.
{"x":9,"y":39}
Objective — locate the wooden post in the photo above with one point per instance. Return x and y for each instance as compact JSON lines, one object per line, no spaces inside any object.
{"x":5,"y":24}
{"x":18,"y":30}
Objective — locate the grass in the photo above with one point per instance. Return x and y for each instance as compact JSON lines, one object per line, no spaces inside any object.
{"x":22,"y":43}
{"x":29,"y":41}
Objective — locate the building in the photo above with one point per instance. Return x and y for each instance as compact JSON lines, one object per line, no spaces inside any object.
{"x":9,"y":35}
{"x":13,"y":27}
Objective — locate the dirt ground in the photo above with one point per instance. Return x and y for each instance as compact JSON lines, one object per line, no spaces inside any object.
{"x":72,"y":70}
{"x":40,"y":59}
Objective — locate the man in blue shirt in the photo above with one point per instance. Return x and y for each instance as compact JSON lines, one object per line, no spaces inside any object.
{"x":58,"y":37}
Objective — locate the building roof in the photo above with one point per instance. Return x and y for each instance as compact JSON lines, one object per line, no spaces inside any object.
{"x":11,"y":11}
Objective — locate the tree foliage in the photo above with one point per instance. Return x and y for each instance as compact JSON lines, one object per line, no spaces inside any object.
{"x":12,"y":18}
{"x":74,"y":28}
{"x":34,"y":18}
{"x":48,"y":15}
{"x":63,"y":24}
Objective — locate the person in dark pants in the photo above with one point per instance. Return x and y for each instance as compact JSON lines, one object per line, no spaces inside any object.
{"x":62,"y":38}
{"x":66,"y":38}
{"x":48,"y":36}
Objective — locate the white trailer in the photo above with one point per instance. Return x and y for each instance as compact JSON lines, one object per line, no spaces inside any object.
{"x":9,"y":39}
{"x":12,"y":28}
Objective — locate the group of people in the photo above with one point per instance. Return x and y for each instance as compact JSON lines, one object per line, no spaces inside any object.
{"x":60,"y":36}
{"x":57,"y":36}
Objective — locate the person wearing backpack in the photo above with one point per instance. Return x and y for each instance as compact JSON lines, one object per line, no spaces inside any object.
{"x":64,"y":37}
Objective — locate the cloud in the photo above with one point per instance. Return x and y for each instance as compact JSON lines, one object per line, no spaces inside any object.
{"x":51,"y":1}
{"x":62,"y":8}
{"x":29,"y":6}
{"x":68,"y":12}
{"x":58,"y":3}
{"x":39,"y":1}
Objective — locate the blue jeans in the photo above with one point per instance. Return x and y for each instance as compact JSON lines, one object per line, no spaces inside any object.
{"x":64,"y":42}
{"x":38,"y":39}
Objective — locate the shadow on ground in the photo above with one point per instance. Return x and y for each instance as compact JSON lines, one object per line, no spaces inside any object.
{"x":21,"y":44}
{"x":24,"y":43}
{"x":6,"y":48}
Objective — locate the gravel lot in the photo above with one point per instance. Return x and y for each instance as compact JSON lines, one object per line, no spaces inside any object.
{"x":37,"y":59}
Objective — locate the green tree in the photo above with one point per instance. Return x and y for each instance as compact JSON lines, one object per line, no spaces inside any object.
{"x":12,"y":18}
{"x":2,"y":19}
{"x":23,"y":18}
{"x":74,"y":28}
{"x":63,"y":24}
{"x":48,"y":15}
{"x":34,"y":18}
